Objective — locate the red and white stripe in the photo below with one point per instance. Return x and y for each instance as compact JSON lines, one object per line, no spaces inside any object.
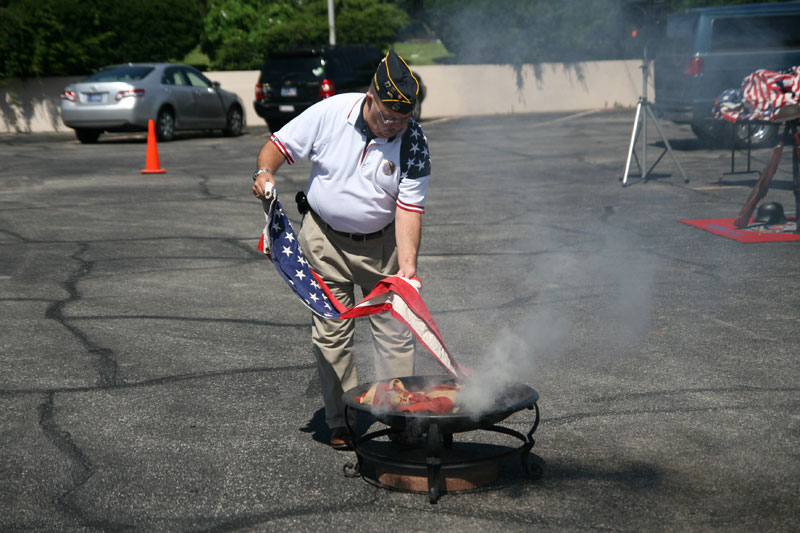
{"x":400,"y":296}
{"x":409,"y":207}
{"x":279,"y":145}
{"x":767,"y":90}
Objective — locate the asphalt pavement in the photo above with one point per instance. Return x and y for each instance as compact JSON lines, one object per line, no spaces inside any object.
{"x":157,"y":373}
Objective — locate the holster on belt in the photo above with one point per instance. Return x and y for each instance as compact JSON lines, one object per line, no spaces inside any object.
{"x":302,"y":202}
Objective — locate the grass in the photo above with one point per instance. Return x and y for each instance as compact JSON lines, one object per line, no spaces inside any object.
{"x":196,"y":58}
{"x":421,"y":53}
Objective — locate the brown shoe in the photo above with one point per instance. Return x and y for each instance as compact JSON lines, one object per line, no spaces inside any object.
{"x":341,"y":439}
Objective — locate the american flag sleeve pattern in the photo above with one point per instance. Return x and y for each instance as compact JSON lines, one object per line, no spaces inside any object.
{"x":415,"y":169}
{"x":397,"y":295}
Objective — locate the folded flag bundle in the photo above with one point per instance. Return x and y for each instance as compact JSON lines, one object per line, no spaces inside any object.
{"x":400,"y":296}
{"x":762,"y":96}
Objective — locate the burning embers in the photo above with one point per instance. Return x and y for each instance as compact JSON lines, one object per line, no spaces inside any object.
{"x":392,"y":395}
{"x":427,"y":397}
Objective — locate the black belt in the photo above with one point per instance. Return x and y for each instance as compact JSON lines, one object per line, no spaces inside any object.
{"x":352,"y":236}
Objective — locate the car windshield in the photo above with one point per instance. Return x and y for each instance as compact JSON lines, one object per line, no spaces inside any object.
{"x":123,"y":73}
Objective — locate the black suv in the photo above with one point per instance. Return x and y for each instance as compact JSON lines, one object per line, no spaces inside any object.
{"x":291,"y":82}
{"x":708,"y":50}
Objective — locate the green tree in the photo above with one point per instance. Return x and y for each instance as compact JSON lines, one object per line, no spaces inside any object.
{"x":52,"y":37}
{"x":68,"y":37}
{"x":153,"y":30}
{"x":366,"y":21}
{"x":238,"y":33}
{"x":232,"y":29}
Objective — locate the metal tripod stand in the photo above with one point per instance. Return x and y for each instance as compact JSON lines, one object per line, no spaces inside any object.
{"x":643,"y":109}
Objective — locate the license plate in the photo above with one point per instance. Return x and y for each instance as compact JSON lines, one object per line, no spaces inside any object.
{"x":288,"y":91}
{"x":94,"y":98}
{"x":286,"y":108}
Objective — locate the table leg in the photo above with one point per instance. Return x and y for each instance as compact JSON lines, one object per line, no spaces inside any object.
{"x":796,"y":175}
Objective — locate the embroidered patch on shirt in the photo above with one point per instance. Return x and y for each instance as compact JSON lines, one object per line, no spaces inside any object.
{"x":388,"y":167}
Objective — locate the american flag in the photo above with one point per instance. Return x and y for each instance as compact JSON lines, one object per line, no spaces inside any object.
{"x":762,"y":96}
{"x":400,"y":296}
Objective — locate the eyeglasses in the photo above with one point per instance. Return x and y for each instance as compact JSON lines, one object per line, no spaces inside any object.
{"x":389,"y":121}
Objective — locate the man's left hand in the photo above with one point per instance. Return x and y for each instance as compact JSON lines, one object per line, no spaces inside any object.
{"x":407,"y":272}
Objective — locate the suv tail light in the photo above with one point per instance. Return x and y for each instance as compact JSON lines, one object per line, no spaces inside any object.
{"x":327,"y":88}
{"x":68,"y":96}
{"x":694,"y":66}
{"x":136,"y":93}
{"x":259,"y":94}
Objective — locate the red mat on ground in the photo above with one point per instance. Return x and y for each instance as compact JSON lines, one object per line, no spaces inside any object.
{"x":759,"y":233}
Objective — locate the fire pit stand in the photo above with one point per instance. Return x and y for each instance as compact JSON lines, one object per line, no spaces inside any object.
{"x":439,"y":459}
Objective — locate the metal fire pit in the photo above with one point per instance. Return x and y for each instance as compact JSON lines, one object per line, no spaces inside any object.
{"x":437,"y":431}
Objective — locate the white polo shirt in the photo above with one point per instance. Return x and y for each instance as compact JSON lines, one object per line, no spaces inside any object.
{"x":356,"y":182}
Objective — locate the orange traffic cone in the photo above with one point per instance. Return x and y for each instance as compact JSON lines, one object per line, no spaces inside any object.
{"x":152,"y":166}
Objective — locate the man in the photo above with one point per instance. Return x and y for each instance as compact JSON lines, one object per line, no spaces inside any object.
{"x":366,"y":195}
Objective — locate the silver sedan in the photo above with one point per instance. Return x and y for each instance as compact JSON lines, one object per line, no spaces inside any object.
{"x":125,"y":97}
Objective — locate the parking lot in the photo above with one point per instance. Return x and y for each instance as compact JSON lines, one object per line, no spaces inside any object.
{"x":157,"y":372}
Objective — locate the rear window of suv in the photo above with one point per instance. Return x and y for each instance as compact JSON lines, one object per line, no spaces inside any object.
{"x":755,"y":33}
{"x":124,"y":73}
{"x":294,"y":66}
{"x":679,"y":38}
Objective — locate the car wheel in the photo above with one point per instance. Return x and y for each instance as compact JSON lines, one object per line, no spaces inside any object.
{"x":719,"y":133}
{"x":165,"y":125}
{"x":233,"y":127}
{"x":761,"y":135}
{"x":712,"y":132}
{"x":87,"y":136}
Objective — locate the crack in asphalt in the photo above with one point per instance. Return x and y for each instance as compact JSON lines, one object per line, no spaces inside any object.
{"x":178,"y":378}
{"x":13,"y":234}
{"x":104,"y":362}
{"x":83,"y":469}
{"x":108,"y":376}
{"x":62,"y":440}
{"x":575,"y":417}
{"x":206,"y":191}
{"x":106,"y":367}
{"x":243,"y":321}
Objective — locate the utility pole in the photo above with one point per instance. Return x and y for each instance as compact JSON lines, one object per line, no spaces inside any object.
{"x":331,"y":24}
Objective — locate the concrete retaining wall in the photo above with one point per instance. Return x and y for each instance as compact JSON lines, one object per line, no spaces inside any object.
{"x":453,"y":90}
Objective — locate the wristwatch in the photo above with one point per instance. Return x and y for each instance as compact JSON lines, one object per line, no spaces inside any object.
{"x":261,"y":171}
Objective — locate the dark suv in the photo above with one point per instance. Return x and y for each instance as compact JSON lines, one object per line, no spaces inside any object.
{"x":290,"y":82}
{"x":708,"y":50}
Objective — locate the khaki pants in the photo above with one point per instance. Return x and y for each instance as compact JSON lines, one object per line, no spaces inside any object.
{"x":343,"y":264}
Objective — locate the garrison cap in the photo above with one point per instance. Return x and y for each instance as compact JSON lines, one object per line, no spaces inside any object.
{"x":395,"y":85}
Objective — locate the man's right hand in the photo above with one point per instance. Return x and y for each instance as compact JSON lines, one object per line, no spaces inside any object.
{"x":263,"y":188}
